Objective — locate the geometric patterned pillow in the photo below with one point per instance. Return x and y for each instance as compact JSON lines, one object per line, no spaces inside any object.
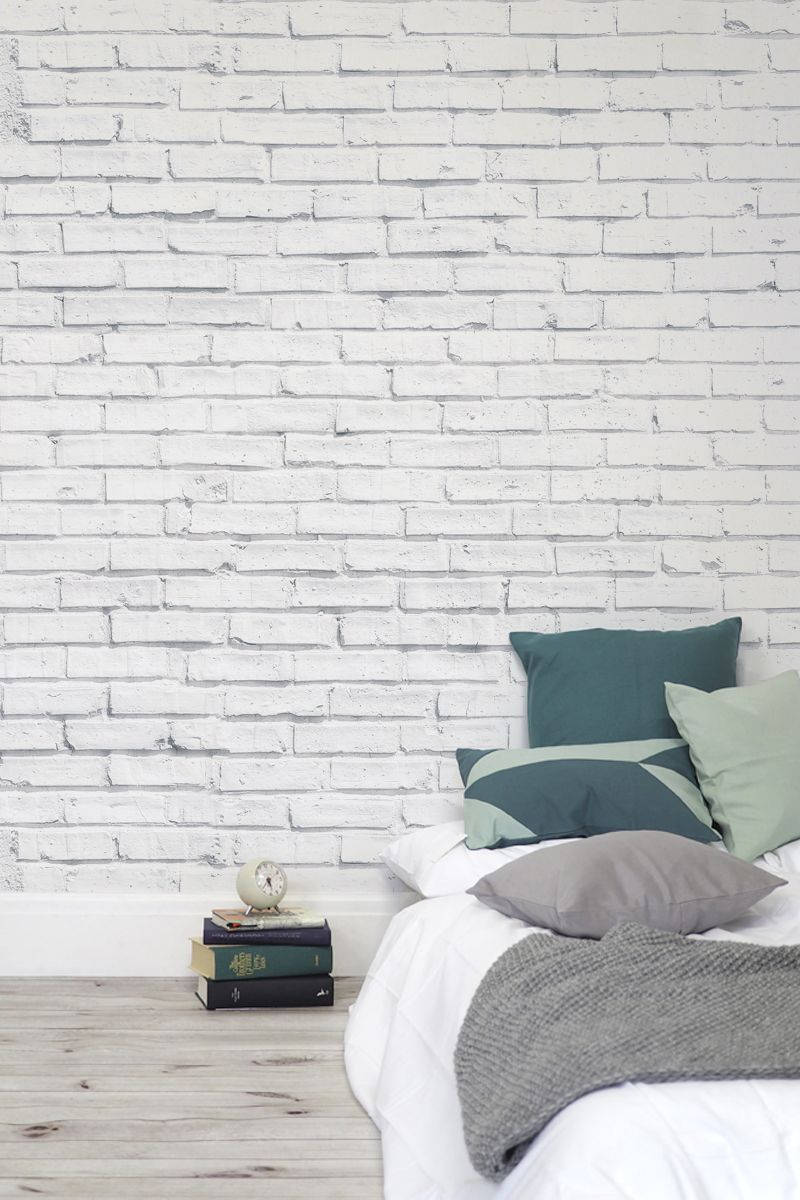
{"x":515,"y":797}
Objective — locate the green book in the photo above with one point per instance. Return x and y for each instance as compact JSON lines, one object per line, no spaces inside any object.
{"x":259,"y":962}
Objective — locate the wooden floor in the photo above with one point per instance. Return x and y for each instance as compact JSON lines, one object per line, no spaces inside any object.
{"x":127,"y":1089}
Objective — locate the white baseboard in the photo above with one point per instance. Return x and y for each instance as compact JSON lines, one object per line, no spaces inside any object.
{"x":81,"y":935}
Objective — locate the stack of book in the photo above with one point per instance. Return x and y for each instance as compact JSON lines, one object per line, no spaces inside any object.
{"x":269,"y":959}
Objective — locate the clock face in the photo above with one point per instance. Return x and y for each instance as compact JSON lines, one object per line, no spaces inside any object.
{"x":271,"y":880}
{"x":261,"y":883}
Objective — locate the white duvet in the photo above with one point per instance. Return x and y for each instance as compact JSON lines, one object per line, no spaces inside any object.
{"x":675,"y":1141}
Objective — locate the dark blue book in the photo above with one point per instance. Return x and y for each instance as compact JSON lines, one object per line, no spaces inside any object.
{"x":215,"y":935}
{"x":294,"y":991}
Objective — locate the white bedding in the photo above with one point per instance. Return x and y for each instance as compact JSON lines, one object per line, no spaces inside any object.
{"x":676,"y":1141}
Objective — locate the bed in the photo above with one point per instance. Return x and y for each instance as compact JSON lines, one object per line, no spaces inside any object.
{"x":735,"y":1140}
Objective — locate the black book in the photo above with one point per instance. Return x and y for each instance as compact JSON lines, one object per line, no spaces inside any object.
{"x":290,"y":991}
{"x":215,"y":935}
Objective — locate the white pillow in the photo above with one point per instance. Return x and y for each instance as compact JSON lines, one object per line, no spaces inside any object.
{"x":434,"y":860}
{"x":785,"y":859}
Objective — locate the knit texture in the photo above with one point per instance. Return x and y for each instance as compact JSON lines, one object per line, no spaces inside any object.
{"x":555,"y":1018}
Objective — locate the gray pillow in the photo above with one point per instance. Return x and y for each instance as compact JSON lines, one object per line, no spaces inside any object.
{"x":661,"y":880}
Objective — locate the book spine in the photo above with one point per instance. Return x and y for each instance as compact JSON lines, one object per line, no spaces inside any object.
{"x":299,"y":991}
{"x":269,"y":962}
{"x":214,"y":935}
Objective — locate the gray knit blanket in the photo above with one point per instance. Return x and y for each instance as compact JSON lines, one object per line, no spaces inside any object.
{"x":555,"y":1018}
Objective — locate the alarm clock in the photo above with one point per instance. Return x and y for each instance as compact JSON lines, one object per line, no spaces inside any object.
{"x":261,"y":884}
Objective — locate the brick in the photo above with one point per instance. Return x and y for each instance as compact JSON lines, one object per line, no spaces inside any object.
{"x":647,"y":162}
{"x":349,"y":380}
{"x":711,"y":346}
{"x":670,"y":521}
{"x":559,"y":593}
{"x":22,"y":308}
{"x":435,"y":312}
{"x":345,"y":94}
{"x":331,"y":237}
{"x":616,"y":275}
{"x":669,"y":592}
{"x":441,"y":16}
{"x":606,"y":201}
{"x":609,"y":54}
{"x":425,"y":164}
{"x":603,"y":485}
{"x":445,"y":93}
{"x":113,"y":162}
{"x":317,"y":165}
{"x":711,"y":487}
{"x":708,"y":416}
{"x":780,"y":234}
{"x":504,"y":275}
{"x":546,"y":380}
{"x":669,"y":311}
{"x":444,"y":381}
{"x":131,"y":699}
{"x":757,"y":91}
{"x":678,"y":17}
{"x":312,"y":312}
{"x":432,"y":237}
{"x":285,"y":774}
{"x":722,"y":127}
{"x":376,"y":55}
{"x":394,"y":129}
{"x":55,"y":699}
{"x":272,"y":702}
{"x":760,"y":162}
{"x":605,"y":128}
{"x":270,"y":276}
{"x":65,"y":198}
{"x":755,"y":381}
{"x":779,"y":199}
{"x":349,"y":20}
{"x":475,"y":53}
{"x":170,"y":126}
{"x":665,"y":92}
{"x":230,"y":93}
{"x":284,"y":129}
{"x":148,"y":271}
{"x":393,"y":347}
{"x":56,"y":628}
{"x":498,"y":200}
{"x":606,"y":345}
{"x":714,"y":54}
{"x":505,"y":129}
{"x":77,"y":125}
{"x":550,"y":236}
{"x":563,"y":18}
{"x":69,"y":272}
{"x":47,"y":347}
{"x":690,"y":200}
{"x":389,"y":276}
{"x":657,"y":236}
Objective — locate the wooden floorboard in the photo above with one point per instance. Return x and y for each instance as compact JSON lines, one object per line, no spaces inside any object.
{"x":128,"y":1088}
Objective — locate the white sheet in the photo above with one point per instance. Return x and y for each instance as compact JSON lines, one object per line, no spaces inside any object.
{"x":678,"y":1141}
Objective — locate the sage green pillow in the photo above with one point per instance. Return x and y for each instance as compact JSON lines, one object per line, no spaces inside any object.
{"x":745,"y":746}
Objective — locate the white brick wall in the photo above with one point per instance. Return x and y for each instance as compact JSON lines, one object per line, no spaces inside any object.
{"x":338,"y":340}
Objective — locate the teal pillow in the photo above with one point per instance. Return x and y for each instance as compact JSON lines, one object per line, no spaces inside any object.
{"x":515,"y":797}
{"x":607,"y":685}
{"x":745,"y":745}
